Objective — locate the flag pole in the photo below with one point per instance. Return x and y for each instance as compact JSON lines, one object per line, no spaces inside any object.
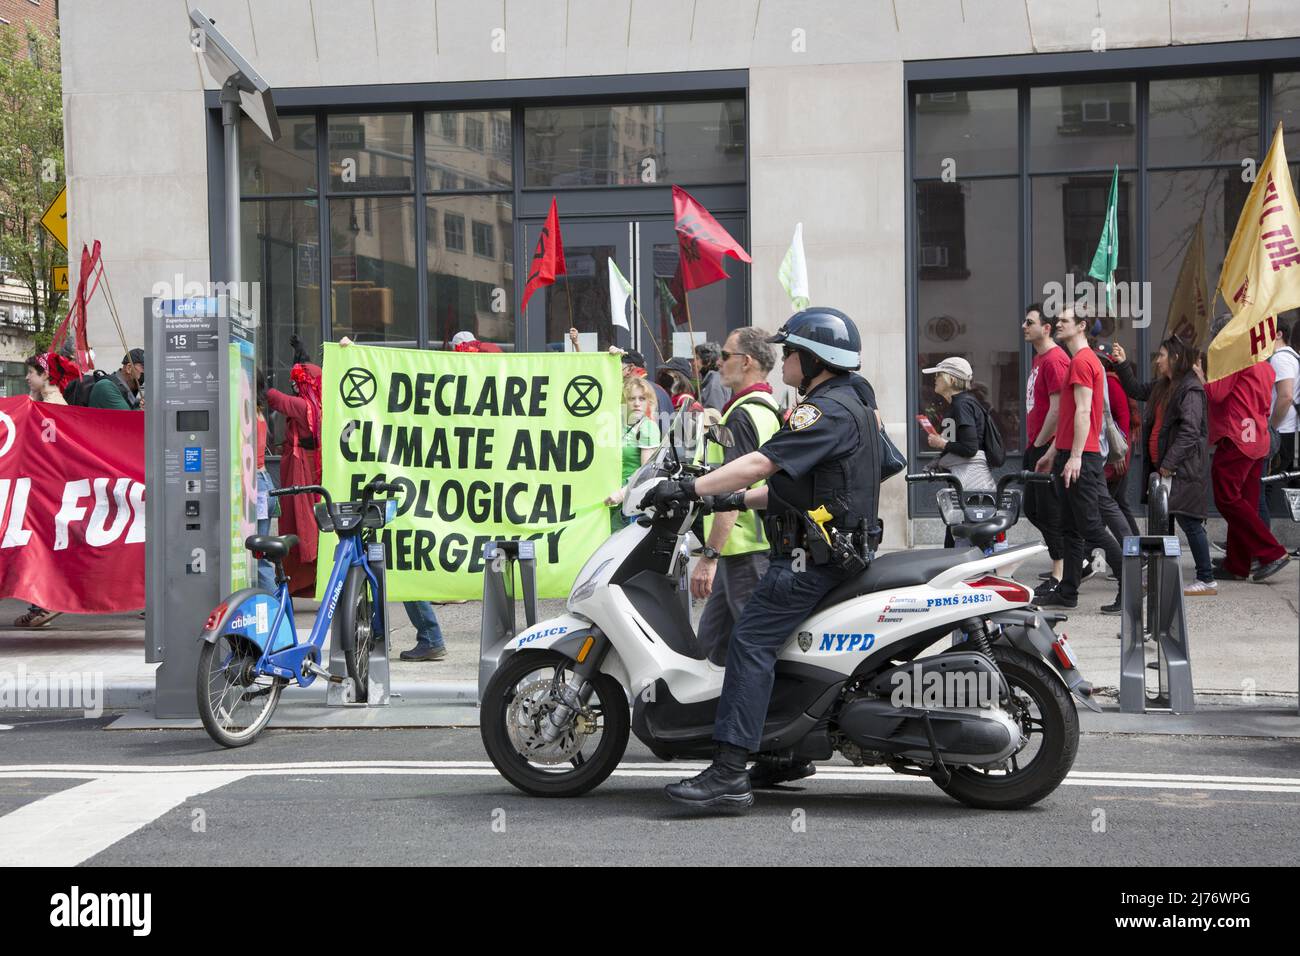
{"x":568,"y":298}
{"x":686,"y":298}
{"x":649,"y":331}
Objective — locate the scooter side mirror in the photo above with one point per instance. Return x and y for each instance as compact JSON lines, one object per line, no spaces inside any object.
{"x":721,"y":435}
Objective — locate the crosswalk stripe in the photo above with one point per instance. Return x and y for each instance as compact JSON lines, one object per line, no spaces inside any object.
{"x":69,"y":827}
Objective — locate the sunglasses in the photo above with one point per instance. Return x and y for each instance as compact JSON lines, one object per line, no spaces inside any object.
{"x":727,"y":355}
{"x":787,"y":351}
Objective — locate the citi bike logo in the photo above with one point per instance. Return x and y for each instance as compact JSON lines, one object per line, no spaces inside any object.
{"x":334,"y":599}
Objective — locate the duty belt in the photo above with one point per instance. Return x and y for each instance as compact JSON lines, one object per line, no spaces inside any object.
{"x":792,"y":532}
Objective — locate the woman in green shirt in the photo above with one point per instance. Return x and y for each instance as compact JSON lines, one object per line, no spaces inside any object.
{"x":640,"y":439}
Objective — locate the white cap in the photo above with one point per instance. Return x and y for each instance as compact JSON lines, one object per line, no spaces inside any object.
{"x":955,"y":366}
{"x":460,"y":338}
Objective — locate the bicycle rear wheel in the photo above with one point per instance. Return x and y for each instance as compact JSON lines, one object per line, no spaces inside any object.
{"x":356,"y":629}
{"x":235,"y":702}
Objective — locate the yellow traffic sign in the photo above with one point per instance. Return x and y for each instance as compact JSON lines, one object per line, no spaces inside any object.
{"x":55,"y":219}
{"x":60,"y":278}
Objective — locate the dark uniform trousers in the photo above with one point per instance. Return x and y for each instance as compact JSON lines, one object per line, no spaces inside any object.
{"x":826,"y":454}
{"x":780,"y":602}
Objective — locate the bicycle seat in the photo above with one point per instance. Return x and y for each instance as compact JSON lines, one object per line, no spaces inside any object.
{"x":270,"y":546}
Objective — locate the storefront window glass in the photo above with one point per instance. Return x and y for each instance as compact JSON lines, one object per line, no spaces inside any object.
{"x":643,"y":144}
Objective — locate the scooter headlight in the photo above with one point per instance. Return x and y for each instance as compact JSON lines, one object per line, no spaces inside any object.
{"x":588,"y":586}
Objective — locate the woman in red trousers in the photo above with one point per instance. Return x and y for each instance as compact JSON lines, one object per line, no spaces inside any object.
{"x":300,"y":464}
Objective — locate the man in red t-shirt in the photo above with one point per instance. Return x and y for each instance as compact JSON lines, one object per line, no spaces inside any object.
{"x":1078,"y":461}
{"x":1042,"y":411}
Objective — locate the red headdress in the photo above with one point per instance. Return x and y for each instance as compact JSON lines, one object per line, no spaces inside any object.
{"x":61,"y":371}
{"x":308,"y":379}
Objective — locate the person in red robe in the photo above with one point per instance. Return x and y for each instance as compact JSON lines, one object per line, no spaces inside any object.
{"x":300,"y":464}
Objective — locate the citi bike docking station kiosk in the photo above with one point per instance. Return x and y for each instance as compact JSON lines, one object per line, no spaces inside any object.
{"x":201,"y":472}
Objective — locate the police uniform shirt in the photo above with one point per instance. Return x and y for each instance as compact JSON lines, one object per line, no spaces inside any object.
{"x":816,"y":431}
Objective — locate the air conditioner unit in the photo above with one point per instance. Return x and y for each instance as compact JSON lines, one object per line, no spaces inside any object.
{"x":934,"y":257}
{"x":1096,"y":111}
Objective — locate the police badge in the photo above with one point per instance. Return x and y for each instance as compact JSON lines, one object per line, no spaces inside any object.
{"x":805,"y":641}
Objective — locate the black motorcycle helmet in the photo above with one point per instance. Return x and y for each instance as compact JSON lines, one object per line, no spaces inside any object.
{"x":824,"y":338}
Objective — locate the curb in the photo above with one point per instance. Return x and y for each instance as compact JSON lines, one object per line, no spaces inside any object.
{"x":138,"y":694}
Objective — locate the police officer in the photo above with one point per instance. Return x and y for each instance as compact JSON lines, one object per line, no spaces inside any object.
{"x":825,"y":456}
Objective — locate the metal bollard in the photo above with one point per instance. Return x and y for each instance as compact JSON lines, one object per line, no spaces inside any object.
{"x":1163,"y":622}
{"x":500,"y":559}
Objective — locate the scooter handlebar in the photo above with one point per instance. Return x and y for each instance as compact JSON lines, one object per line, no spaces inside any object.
{"x":942,"y":476}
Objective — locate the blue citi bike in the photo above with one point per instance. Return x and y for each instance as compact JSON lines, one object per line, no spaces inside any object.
{"x":251,"y":650}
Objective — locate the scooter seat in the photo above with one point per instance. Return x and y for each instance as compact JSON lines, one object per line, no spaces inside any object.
{"x":899,"y":569}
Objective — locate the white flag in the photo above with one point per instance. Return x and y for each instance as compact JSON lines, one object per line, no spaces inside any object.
{"x":794,"y":271}
{"x":620,"y":290}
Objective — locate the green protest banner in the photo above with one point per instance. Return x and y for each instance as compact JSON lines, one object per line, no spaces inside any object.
{"x":485,"y":446}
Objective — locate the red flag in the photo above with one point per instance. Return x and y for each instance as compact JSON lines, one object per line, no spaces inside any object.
{"x":701,"y":242}
{"x":75,"y":321}
{"x":548,"y":257}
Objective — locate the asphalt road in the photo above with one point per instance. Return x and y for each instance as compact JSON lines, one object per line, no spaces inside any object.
{"x":71,"y":793}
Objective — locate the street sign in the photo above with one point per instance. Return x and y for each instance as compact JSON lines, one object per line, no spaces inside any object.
{"x":55,"y":219}
{"x":60,"y":278}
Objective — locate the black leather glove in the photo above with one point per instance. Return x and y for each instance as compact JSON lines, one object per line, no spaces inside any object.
{"x":668,"y":493}
{"x":732,"y":502}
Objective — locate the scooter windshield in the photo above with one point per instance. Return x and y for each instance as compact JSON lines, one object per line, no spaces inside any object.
{"x":680,"y":443}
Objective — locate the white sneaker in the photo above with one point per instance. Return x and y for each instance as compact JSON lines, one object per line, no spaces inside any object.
{"x":1201,"y":589}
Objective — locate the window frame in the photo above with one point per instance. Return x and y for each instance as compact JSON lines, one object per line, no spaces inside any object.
{"x":1262,"y":59}
{"x":457,"y":97}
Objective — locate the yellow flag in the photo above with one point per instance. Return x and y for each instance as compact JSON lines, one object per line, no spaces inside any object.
{"x":1261,"y":274}
{"x":1189,"y":308}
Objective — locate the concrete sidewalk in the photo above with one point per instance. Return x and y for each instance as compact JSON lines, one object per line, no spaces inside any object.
{"x":1244,"y":648}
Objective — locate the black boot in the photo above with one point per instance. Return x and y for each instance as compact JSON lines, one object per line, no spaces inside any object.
{"x":769,"y":771}
{"x":723,"y":785}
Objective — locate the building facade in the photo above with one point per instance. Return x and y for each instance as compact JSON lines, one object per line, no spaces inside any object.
{"x":949,"y":160}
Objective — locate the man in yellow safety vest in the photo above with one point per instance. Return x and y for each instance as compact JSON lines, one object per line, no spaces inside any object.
{"x":735,"y":552}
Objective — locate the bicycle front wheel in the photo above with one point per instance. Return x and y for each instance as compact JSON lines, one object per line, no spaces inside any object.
{"x":235,"y":702}
{"x":356,"y":632}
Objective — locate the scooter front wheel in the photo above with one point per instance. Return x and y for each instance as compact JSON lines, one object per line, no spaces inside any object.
{"x":518,"y":703}
{"x":235,"y":702}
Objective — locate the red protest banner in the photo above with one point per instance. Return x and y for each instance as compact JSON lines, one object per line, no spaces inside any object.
{"x":71,"y":506}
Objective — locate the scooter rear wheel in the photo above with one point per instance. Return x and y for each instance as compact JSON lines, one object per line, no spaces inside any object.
{"x":1052,"y":723}
{"x":514,"y":704}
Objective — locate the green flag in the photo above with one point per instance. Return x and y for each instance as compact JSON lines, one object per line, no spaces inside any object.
{"x":667,"y":301}
{"x":1106,"y":257}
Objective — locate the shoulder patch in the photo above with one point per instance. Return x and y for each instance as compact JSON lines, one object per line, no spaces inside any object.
{"x":804,"y":416}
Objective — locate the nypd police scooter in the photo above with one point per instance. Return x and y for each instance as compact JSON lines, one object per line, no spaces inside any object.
{"x":990,"y":717}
